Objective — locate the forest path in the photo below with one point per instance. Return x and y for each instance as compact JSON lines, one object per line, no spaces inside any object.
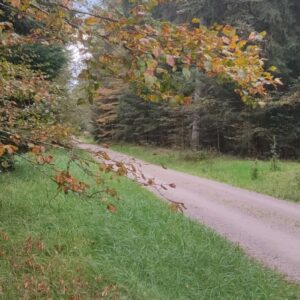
{"x":266,"y":228}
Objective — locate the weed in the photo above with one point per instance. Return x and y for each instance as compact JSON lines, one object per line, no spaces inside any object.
{"x":254,"y":170}
{"x":274,"y":156}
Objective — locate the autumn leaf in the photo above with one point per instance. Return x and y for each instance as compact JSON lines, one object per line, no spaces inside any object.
{"x":111,"y":192}
{"x":170,"y":60}
{"x":11,"y":149}
{"x":104,"y":155}
{"x":91,"y":21}
{"x":157,"y":52}
{"x":37,"y":149}
{"x":278,"y":81}
{"x":2,"y":150}
{"x":177,"y":207}
{"x":196,"y":20}
{"x":15,"y":3}
{"x":112,"y":208}
{"x":229,"y":31}
{"x":273,"y":69}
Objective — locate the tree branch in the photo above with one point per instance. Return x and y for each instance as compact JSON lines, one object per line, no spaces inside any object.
{"x":77,"y":11}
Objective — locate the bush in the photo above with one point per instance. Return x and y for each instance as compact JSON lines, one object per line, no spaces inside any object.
{"x":46,"y":59}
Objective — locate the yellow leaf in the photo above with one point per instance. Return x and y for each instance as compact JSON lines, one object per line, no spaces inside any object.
{"x":2,"y":151}
{"x":229,"y":31}
{"x":196,"y":21}
{"x":263,"y":34}
{"x":91,"y":21}
{"x":273,"y":69}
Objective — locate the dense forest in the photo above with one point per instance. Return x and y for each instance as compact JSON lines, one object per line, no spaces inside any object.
{"x":217,"y":119}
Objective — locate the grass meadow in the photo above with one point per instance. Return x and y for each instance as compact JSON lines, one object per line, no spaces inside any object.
{"x":66,"y":247}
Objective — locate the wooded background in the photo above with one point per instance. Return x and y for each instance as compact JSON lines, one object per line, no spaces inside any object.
{"x":217,"y":119}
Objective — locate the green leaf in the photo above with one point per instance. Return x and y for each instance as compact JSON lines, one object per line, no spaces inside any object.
{"x":150,"y":80}
{"x":186,"y":73}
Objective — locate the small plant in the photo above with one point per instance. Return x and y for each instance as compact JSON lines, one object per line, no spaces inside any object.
{"x":275,"y":155}
{"x":297,"y":180}
{"x":199,"y":155}
{"x":7,"y":163}
{"x":254,"y":170}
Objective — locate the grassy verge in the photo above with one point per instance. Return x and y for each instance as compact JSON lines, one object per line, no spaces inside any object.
{"x":284,"y":182}
{"x":69,"y":248}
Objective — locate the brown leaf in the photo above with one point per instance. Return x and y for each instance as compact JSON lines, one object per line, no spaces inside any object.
{"x":5,"y":236}
{"x":112,"y":208}
{"x":177,"y":207}
{"x":157,"y":52}
{"x":107,"y":290}
{"x":104,"y":155}
{"x":151,"y":181}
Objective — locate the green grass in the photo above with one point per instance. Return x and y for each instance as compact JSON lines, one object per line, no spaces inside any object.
{"x":283,"y":183}
{"x":68,"y":247}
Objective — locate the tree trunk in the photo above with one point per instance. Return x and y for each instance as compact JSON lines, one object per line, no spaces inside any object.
{"x":199,"y":93}
{"x":195,"y":139}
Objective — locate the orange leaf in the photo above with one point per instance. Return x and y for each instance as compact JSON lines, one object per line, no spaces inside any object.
{"x":2,"y":150}
{"x":11,"y":149}
{"x":15,"y":3}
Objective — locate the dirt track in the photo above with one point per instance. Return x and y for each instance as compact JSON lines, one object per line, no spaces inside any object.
{"x":266,"y":228}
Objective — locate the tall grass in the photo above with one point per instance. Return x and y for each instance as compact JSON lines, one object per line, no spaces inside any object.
{"x":66,"y":247}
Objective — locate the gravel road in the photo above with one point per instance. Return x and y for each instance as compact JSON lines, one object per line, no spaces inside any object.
{"x":266,"y":228}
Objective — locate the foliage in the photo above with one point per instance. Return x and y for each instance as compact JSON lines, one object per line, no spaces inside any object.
{"x":151,"y":55}
{"x":279,"y":18}
{"x":156,"y":58}
{"x":225,"y":124}
{"x":47,"y":59}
